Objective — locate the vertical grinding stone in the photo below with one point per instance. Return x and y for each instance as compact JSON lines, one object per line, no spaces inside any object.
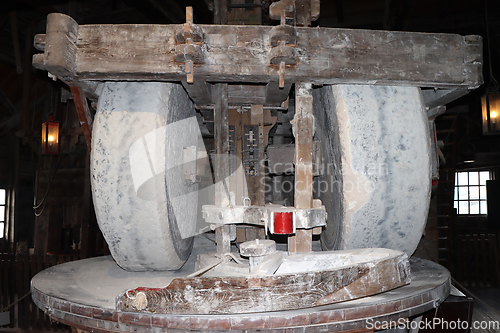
{"x":377,"y":172}
{"x":134,"y":180}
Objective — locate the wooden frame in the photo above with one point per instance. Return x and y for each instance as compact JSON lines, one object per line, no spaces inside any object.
{"x":82,"y":55}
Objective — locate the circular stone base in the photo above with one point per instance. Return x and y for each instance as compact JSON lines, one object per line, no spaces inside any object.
{"x":82,"y":294}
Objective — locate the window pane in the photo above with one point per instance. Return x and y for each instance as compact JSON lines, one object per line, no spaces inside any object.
{"x":469,"y":196}
{"x":474,"y":192}
{"x":473,"y":178}
{"x":462,"y":178}
{"x":1,"y":230}
{"x":463,"y":193}
{"x":2,"y":213}
{"x":463,"y":207}
{"x":482,"y":192}
{"x":483,"y":177}
{"x":2,"y":197}
{"x":474,"y":207}
{"x":484,"y":209}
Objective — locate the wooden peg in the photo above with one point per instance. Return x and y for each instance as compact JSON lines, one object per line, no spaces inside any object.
{"x":189,"y":71}
{"x":282,"y":75}
{"x":189,"y":15}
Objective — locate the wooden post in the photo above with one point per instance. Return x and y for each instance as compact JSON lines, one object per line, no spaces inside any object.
{"x":221,"y":122}
{"x":304,"y":131}
{"x":255,"y":184}
{"x":82,"y":108}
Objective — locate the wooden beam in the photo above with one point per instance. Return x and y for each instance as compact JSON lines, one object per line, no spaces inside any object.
{"x":256,"y":182}
{"x":82,"y":108}
{"x":304,"y":132}
{"x":238,"y":54}
{"x":291,"y":289}
{"x":60,"y":50}
{"x":221,"y":138}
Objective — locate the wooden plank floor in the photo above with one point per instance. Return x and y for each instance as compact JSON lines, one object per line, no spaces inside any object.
{"x":486,"y":308}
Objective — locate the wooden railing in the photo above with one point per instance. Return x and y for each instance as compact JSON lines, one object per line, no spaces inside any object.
{"x":476,"y":259}
{"x":16,"y":272}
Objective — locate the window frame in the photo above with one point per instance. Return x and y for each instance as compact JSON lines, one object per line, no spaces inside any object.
{"x":472,"y":183}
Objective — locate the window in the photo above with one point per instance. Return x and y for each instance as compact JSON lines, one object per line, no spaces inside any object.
{"x":470,"y":192}
{"x":2,"y":213}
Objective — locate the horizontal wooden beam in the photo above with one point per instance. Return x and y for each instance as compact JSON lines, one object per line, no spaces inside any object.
{"x":244,"y":54}
{"x":59,"y":46}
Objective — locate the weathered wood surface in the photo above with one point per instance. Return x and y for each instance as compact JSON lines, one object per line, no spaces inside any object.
{"x":303,"y":130}
{"x":60,"y":49}
{"x":243,"y":54}
{"x":220,"y":295}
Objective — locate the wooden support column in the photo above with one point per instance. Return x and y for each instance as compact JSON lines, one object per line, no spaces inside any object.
{"x":304,"y":130}
{"x":221,"y":122}
{"x":82,"y":108}
{"x":255,"y":183}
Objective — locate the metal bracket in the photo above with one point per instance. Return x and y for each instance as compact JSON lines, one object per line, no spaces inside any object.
{"x":264,"y":215}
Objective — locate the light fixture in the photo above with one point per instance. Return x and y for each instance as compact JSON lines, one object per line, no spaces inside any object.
{"x":50,"y":137}
{"x":490,"y":102}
